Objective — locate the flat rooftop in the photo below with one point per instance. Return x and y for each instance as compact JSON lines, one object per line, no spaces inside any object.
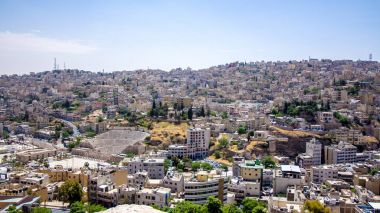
{"x":77,"y":163}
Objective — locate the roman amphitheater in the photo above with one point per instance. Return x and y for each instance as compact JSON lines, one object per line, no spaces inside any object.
{"x":116,"y":141}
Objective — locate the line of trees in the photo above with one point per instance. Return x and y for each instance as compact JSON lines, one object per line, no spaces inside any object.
{"x":161,"y":110}
{"x":158,"y":111}
{"x":214,"y":205}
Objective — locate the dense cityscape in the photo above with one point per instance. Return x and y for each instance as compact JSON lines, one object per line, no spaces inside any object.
{"x":267,"y":136}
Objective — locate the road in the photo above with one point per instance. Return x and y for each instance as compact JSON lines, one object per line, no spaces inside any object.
{"x":76,"y":132}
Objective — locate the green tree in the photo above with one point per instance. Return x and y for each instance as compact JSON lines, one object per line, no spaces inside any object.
{"x":65,"y":134}
{"x":186,"y":207}
{"x":94,"y":208}
{"x":224,"y":167}
{"x":217,"y":154}
{"x":79,"y":207}
{"x":13,"y":209}
{"x":202,"y":112}
{"x":195,"y":166}
{"x":249,"y":205}
{"x":5,"y":135}
{"x":208,"y":112}
{"x":180,"y":166}
{"x":100,"y":119}
{"x":70,"y":191}
{"x":224,"y":115}
{"x":223,"y":142}
{"x":242,"y":129}
{"x":231,"y":208}
{"x":190,"y":113}
{"x":259,"y":209}
{"x":71,"y":145}
{"x":132,"y":118}
{"x":269,"y":162}
{"x":342,"y":119}
{"x":86,"y":164}
{"x":167,"y":164}
{"x":41,"y":210}
{"x":214,"y":205}
{"x":206,"y":166}
{"x":153,"y":111}
{"x":373,"y":171}
{"x":314,"y":206}
{"x":175,"y":161}
{"x":175,"y":106}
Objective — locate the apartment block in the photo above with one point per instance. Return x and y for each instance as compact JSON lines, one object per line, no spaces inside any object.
{"x":320,"y":174}
{"x":341,"y":153}
{"x":204,"y":184}
{"x":287,"y":175}
{"x":154,"y":166}
{"x":36,"y":154}
{"x":352,"y":136}
{"x":158,"y":196}
{"x":103,"y":191}
{"x":312,"y":156}
{"x":198,"y":141}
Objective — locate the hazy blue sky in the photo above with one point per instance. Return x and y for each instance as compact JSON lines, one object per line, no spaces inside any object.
{"x":127,"y":35}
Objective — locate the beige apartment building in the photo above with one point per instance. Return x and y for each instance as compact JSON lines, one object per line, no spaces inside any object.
{"x":158,"y":196}
{"x":320,"y":174}
{"x":36,"y":154}
{"x":352,"y":136}
{"x":59,"y":175}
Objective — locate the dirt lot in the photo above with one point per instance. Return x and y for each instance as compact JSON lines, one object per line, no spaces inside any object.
{"x":168,"y":133}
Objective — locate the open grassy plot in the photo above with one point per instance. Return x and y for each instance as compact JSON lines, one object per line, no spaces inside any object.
{"x":295,"y":133}
{"x":167,"y":132}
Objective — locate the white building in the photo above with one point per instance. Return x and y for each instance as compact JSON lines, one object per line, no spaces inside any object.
{"x":196,"y":147}
{"x":342,"y":153}
{"x":312,"y":156}
{"x":198,"y":141}
{"x":314,"y":150}
{"x":243,"y":189}
{"x":320,"y":174}
{"x":154,"y":166}
{"x":204,"y":184}
{"x":174,"y":181}
{"x":176,"y":150}
{"x":288,"y":175}
{"x":159,"y":196}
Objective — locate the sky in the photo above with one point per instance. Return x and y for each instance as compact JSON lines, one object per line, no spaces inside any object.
{"x":162,"y":34}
